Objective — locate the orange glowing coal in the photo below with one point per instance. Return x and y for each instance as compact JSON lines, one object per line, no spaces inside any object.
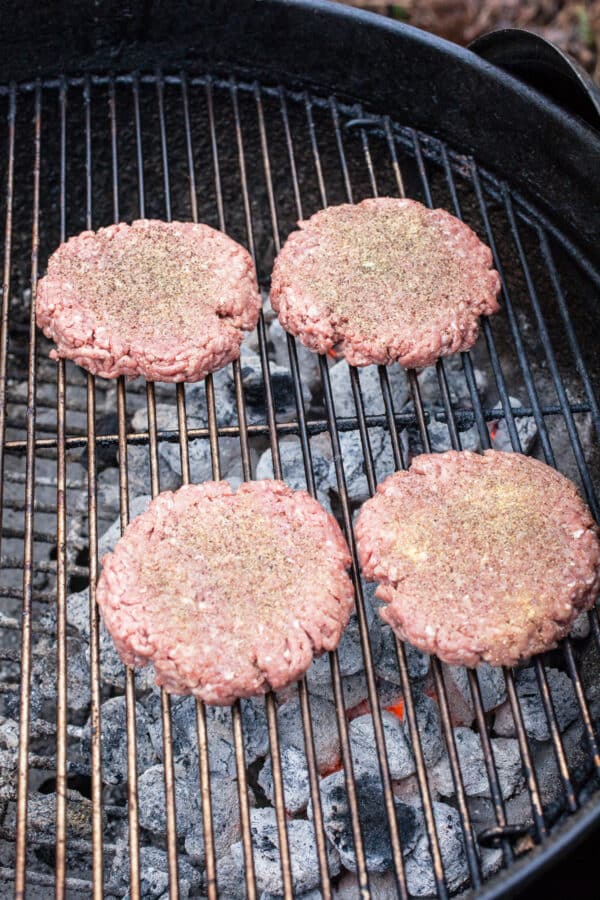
{"x":431,"y":693}
{"x":361,"y":709}
{"x":493,"y":429}
{"x":397,"y":709}
{"x":330,"y":769}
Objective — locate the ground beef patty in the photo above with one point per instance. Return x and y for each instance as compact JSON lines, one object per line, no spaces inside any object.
{"x":480,"y":557}
{"x":227,"y":593}
{"x":166,"y":300}
{"x":384,"y":281}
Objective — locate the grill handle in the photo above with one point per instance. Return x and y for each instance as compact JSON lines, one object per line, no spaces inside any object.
{"x":543,"y":66}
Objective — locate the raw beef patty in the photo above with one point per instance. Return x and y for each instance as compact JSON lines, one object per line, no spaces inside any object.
{"x":480,"y":557}
{"x":384,"y":281}
{"x":228,"y":594}
{"x":166,"y":300}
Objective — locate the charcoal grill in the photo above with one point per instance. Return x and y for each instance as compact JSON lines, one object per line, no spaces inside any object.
{"x":249,"y":116}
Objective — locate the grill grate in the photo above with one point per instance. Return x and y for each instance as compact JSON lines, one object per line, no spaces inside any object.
{"x":251,"y":160}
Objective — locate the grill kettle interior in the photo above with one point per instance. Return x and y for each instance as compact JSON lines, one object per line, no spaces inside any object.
{"x":396,"y":70}
{"x":195,"y":111}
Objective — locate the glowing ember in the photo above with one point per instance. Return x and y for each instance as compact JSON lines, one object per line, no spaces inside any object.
{"x":397,"y":709}
{"x":329,"y":770}
{"x":493,"y":429}
{"x":361,"y":709}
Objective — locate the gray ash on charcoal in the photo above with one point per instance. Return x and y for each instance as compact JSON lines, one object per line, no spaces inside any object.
{"x":139,"y":473}
{"x":534,"y":714}
{"x":386,"y":666}
{"x":353,"y":457}
{"x":460,"y":397}
{"x":293,"y":470}
{"x":419,"y":866}
{"x":296,"y":784}
{"x":43,"y":675}
{"x":350,"y":651}
{"x":308,"y":362}
{"x":225,"y":818}
{"x":282,"y":387}
{"x":41,"y":821}
{"x":370,"y":389}
{"x":265,"y":841}
{"x":112,"y":669}
{"x":473,"y":769}
{"x":338,"y":822}
{"x":152,"y":805}
{"x":525,"y":426}
{"x":153,"y":815}
{"x":219,"y":727}
{"x":439,"y":437}
{"x":254,"y":723}
{"x":458,"y":386}
{"x":108,"y":540}
{"x":492,"y":688}
{"x":114,"y":743}
{"x":429,"y":728}
{"x":354,"y":690}
{"x":364,"y":750}
{"x":324,"y":724}
{"x":154,"y":872}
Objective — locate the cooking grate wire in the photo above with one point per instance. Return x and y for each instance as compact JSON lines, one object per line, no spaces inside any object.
{"x":25,"y":685}
{"x":202,"y":735}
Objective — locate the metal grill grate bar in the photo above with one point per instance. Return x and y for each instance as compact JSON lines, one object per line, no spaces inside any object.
{"x":96,"y":742}
{"x":6,"y":287}
{"x":250,"y":875}
{"x":270,"y":411}
{"x":61,"y":562}
{"x":204,"y":763}
{"x":315,"y":426}
{"x":468,"y":834}
{"x":360,"y":609}
{"x":130,"y":699}
{"x":311,"y":487}
{"x":352,"y":797}
{"x":25,"y":695}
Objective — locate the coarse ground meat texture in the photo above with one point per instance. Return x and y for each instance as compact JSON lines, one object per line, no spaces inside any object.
{"x":166,"y":300}
{"x":384,"y":281}
{"x":228,"y":594}
{"x":485,"y":557}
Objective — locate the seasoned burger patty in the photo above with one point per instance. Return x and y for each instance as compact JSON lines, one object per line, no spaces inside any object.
{"x":384,"y":281}
{"x":480,"y":557}
{"x":166,"y":300}
{"x":227,"y":593}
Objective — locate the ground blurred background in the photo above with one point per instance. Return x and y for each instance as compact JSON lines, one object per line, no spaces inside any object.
{"x":574,"y":26}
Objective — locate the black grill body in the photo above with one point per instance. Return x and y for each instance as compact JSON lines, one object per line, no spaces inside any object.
{"x":249,"y":116}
